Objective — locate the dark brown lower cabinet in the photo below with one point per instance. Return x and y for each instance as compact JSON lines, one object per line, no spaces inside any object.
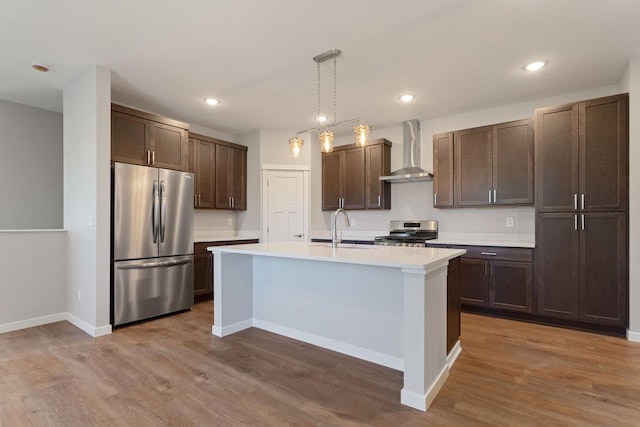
{"x":203,"y":266}
{"x":497,"y":277}
{"x":582,"y":270}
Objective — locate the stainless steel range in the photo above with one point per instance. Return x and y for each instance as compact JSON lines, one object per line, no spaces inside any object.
{"x":409,"y":233}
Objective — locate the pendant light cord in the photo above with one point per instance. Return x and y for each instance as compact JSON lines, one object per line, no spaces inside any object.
{"x":335,"y":75}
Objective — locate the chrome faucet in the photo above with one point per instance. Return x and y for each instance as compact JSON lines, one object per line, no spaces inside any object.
{"x":334,"y":228}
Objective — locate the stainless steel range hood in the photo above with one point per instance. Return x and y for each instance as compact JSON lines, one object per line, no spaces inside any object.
{"x":411,"y":170}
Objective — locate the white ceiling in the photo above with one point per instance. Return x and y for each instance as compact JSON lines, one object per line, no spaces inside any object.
{"x":256,"y":55}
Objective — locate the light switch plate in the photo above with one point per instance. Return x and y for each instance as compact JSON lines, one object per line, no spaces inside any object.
{"x":509,"y":222}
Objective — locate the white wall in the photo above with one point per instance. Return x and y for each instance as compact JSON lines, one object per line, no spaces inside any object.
{"x":414,"y":200}
{"x":33,"y":278}
{"x":630,"y":82}
{"x":87,"y":188}
{"x":30,"y":167}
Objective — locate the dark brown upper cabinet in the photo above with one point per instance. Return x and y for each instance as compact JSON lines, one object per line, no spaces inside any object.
{"x":473,"y":166}
{"x":377,"y":160}
{"x":230,"y":176}
{"x":582,"y":156}
{"x":147,"y":139}
{"x":484,"y":166}
{"x":443,"y":170}
{"x":202,"y":155}
{"x":350,"y":176}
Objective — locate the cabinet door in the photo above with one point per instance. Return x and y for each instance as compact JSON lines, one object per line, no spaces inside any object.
{"x":603,"y":154}
{"x":377,"y":164}
{"x":557,"y":246}
{"x":603,"y":268}
{"x":513,"y":163}
{"x":239,"y":179}
{"x":204,"y":173}
{"x":473,"y":171}
{"x":332,"y":171}
{"x":223,"y":177}
{"x":202,"y":275}
{"x":474,"y":282}
{"x":511,"y":286}
{"x":556,"y":158}
{"x":353,"y":179}
{"x":443,"y":170}
{"x":129,"y":139}
{"x":169,"y":146}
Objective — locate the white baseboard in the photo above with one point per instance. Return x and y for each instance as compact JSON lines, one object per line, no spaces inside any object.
{"x":30,"y":323}
{"x":89,"y":329}
{"x":339,"y":346}
{"x":453,"y":354}
{"x":633,"y":336}
{"x":231,"y":329}
{"x":418,"y":401}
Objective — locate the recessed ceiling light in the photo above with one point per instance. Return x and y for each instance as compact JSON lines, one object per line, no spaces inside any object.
{"x":322,"y":119}
{"x":212,"y":101}
{"x":535,"y":65}
{"x":40,"y":67}
{"x":407,"y":98}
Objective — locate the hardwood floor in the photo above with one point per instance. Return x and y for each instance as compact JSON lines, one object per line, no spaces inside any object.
{"x":172,"y":371}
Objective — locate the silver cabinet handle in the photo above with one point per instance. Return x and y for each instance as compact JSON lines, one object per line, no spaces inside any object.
{"x":582,"y":218}
{"x":148,"y":157}
{"x":582,"y":201}
{"x":297,"y":235}
{"x":489,"y":196}
{"x":435,"y":199}
{"x":489,"y":253}
{"x":575,"y":222}
{"x":199,"y":199}
{"x":378,"y":201}
{"x":494,"y":195}
{"x":575,"y":201}
{"x":233,"y":202}
{"x":229,"y":202}
{"x":153,"y":157}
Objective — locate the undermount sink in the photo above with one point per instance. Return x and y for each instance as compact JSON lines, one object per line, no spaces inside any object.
{"x":344,"y":245}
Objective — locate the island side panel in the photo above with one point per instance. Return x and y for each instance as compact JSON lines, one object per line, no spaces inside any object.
{"x":349,"y":308}
{"x":233,"y":290}
{"x":425,"y":336}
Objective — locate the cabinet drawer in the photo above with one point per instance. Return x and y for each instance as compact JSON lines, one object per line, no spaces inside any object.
{"x":497,"y":253}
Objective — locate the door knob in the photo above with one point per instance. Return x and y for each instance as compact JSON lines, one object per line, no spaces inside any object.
{"x":297,"y":235}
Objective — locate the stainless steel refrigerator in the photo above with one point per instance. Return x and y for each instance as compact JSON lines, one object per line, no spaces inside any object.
{"x":152,"y":261}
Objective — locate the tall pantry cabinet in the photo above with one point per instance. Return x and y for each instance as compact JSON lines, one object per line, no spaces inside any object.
{"x":581,"y":169}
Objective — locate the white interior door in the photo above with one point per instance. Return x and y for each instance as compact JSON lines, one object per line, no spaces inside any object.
{"x":285,"y":206}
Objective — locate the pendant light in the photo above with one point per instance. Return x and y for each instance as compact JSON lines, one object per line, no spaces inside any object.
{"x":325,"y":135}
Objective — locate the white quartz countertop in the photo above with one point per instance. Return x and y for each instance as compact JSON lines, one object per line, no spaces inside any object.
{"x":200,"y":239}
{"x":383,"y":256}
{"x":484,"y":242}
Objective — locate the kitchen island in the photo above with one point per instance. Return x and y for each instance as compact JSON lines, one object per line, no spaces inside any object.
{"x":386,"y":305}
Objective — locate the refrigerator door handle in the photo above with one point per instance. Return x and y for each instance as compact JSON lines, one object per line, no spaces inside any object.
{"x":163,"y":213}
{"x":155,"y":264}
{"x":155,"y":212}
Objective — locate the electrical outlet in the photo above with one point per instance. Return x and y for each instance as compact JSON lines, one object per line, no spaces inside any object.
{"x":229,"y":221}
{"x":90,"y":221}
{"x":352,"y":221}
{"x":509,"y":222}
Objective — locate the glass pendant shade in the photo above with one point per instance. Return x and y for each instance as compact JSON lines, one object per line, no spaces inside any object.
{"x":326,"y":141}
{"x":295,"y":146}
{"x":362,"y":134}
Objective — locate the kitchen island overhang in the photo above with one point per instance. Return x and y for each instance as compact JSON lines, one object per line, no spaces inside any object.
{"x":386,"y":305}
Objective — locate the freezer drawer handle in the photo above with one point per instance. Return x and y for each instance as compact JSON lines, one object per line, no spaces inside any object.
{"x":489,"y":253}
{"x":155,"y":264}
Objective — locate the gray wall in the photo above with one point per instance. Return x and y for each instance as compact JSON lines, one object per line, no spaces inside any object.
{"x":31,"y":168}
